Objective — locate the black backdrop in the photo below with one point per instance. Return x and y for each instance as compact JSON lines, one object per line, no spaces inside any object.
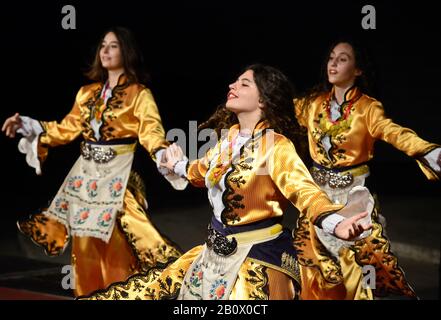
{"x":193,"y":50}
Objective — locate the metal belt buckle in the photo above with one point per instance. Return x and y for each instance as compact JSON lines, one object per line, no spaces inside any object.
{"x":219,"y":243}
{"x":340,"y":180}
{"x":320,"y":176}
{"x":335,"y":180}
{"x":96,"y":153}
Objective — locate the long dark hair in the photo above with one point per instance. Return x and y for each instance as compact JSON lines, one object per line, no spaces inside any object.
{"x":362,"y":61}
{"x":276,"y":93}
{"x":131,"y":57}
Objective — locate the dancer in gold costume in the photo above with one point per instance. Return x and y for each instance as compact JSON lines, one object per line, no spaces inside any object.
{"x":252,"y":174}
{"x":102,"y":203}
{"x":343,"y":124}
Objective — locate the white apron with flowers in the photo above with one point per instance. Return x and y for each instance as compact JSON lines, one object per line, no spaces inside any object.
{"x":90,"y":197}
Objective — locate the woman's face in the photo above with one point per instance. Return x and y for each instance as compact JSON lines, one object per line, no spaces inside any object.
{"x":244,"y":95}
{"x":110,"y":52}
{"x":342,"y":70}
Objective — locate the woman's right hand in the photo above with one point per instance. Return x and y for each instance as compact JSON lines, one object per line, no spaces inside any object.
{"x":173,"y":154}
{"x":11,"y":125}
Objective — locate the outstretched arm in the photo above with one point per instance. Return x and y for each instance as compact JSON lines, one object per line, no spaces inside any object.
{"x":404,"y":139}
{"x":151,"y":133}
{"x":295,"y":182}
{"x":194,"y":171}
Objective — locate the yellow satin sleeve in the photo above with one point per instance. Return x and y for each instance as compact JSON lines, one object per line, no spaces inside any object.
{"x":56,"y":134}
{"x":130,"y":113}
{"x":197,"y":169}
{"x":404,"y":139}
{"x":294,"y":181}
{"x":151,"y":133}
{"x":300,"y":111}
{"x":353,"y":137}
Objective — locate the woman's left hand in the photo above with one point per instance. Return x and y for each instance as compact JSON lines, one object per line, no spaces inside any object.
{"x":350,"y":228}
{"x":172,"y":155}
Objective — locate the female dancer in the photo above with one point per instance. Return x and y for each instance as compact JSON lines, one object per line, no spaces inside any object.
{"x":251,"y":175}
{"x":101,"y":203}
{"x":342,"y":124}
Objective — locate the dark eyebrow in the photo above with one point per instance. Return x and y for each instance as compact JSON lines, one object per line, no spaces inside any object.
{"x":114,"y":41}
{"x":341,"y":53}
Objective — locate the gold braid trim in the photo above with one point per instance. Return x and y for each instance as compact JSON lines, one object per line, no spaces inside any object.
{"x":137,"y":187}
{"x":375,"y":251}
{"x":312,"y":253}
{"x":258,"y":279}
{"x":142,"y":286}
{"x":36,"y":226}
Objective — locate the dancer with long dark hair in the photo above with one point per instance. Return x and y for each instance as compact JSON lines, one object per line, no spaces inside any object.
{"x":343,"y":123}
{"x":252,"y":174}
{"x":101,"y":204}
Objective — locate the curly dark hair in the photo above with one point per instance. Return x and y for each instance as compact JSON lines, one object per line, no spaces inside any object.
{"x":131,"y":57}
{"x":276,"y":93}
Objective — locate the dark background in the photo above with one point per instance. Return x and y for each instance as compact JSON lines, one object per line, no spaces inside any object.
{"x":193,"y":51}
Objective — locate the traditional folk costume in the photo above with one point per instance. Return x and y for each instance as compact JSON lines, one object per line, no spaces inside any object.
{"x":341,"y":142}
{"x":247,"y":254}
{"x":101,"y":203}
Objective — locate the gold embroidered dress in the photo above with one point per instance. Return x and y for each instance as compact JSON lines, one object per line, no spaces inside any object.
{"x":263,"y":176}
{"x":102,"y":204}
{"x":340,"y":147}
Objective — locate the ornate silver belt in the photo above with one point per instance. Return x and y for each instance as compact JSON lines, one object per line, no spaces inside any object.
{"x":336,"y":180}
{"x":219,"y":243}
{"x":98,"y":154}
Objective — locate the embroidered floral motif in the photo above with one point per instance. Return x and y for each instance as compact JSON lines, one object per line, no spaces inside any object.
{"x":92,"y":188}
{"x":105,"y":218}
{"x":36,"y":227}
{"x":148,"y":257}
{"x":196,"y":276}
{"x":98,"y":109}
{"x":258,"y":279}
{"x":75,"y":183}
{"x":312,"y":253}
{"x":81,"y":216}
{"x":223,"y":163}
{"x":230,"y":198}
{"x":375,"y":251}
{"x":95,"y":203}
{"x":169,"y":289}
{"x":290,"y":263}
{"x":94,"y":108}
{"x":217,"y":290}
{"x":87,"y":113}
{"x":116,"y":187}
{"x":62,"y":206}
{"x":115,"y":102}
{"x":195,"y":281}
{"x":334,"y":129}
